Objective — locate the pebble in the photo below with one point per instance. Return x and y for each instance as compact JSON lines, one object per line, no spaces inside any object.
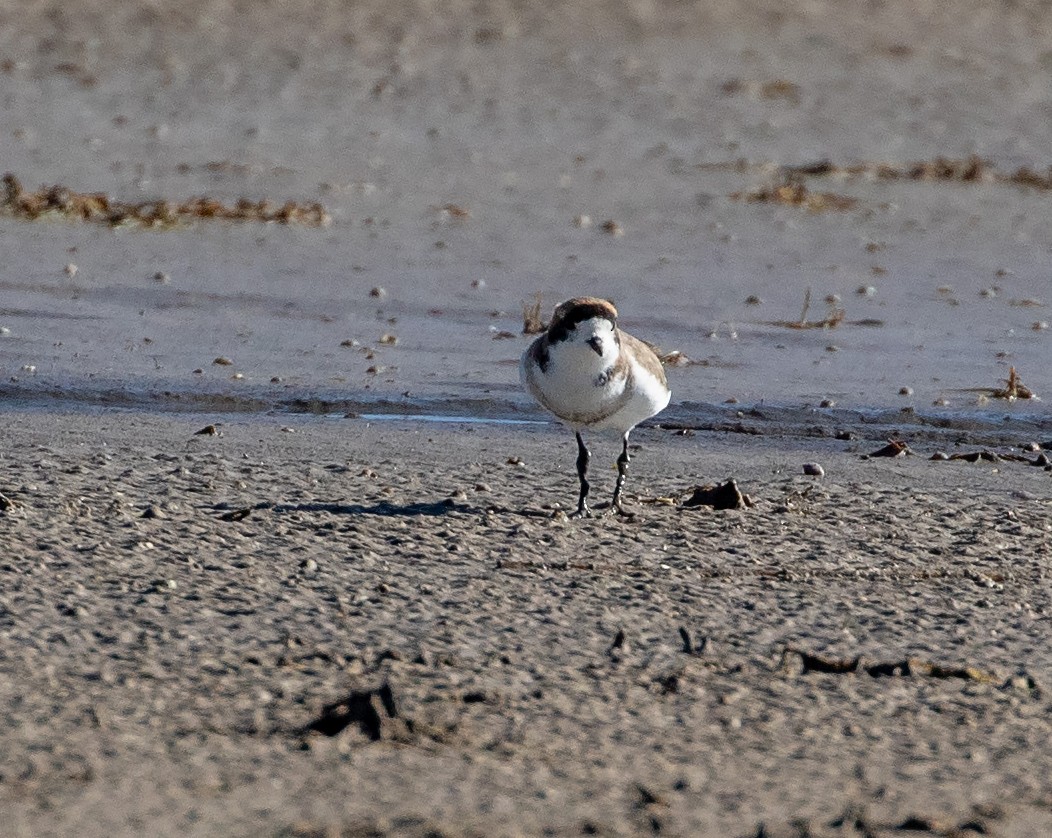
{"x":814,"y":470}
{"x":223,"y":362}
{"x":827,"y":403}
{"x":866,"y":291}
{"x":70,"y":270}
{"x":162,"y":278}
{"x":905,"y":391}
{"x":154,"y":512}
{"x":940,"y":455}
{"x":378,"y":293}
{"x":309,"y":565}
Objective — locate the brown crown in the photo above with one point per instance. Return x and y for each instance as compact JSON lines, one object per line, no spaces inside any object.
{"x":568,"y":314}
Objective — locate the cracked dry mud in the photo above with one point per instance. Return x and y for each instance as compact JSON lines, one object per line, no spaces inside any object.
{"x":401,"y":639}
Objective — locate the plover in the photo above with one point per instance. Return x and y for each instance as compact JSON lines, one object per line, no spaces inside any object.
{"x":592,"y":375}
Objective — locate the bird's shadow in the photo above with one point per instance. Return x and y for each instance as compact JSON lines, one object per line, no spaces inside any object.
{"x":409,"y":510}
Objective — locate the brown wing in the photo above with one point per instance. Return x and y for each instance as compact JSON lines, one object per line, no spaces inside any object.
{"x":644,"y":355}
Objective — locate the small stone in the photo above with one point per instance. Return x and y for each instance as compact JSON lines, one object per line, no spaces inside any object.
{"x":582,"y":221}
{"x":814,"y":470}
{"x":905,"y":391}
{"x":378,"y":293}
{"x":940,"y":455}
{"x":70,"y":270}
{"x":388,"y":339}
{"x":866,"y":291}
{"x":162,"y":278}
{"x":309,"y":565}
{"x":827,"y":403}
{"x":154,"y":512}
{"x":753,"y":300}
{"x":988,"y":292}
{"x":1039,"y":325}
{"x":612,"y":228}
{"x":223,"y":362}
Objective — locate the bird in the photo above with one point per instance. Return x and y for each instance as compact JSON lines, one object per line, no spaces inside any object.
{"x":592,"y":375}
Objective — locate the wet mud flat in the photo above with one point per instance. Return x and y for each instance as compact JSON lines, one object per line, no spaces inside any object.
{"x":297,"y":625}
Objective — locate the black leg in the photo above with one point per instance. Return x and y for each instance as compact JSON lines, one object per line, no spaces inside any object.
{"x":582,"y":471}
{"x":622,"y":471}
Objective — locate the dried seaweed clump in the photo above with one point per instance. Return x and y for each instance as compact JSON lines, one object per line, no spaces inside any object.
{"x":531,"y":317}
{"x":776,"y":89}
{"x":804,"y":662}
{"x":833,"y":319}
{"x":971,"y":169}
{"x":61,"y":202}
{"x":1014,"y":388}
{"x":1028,"y":177}
{"x":792,"y":192}
{"x":967,"y":170}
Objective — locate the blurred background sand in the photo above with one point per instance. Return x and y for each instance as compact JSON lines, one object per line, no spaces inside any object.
{"x":455,"y":145}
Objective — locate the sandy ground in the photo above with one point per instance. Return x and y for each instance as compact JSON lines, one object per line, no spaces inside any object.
{"x":858,"y":654}
{"x":160,"y":672}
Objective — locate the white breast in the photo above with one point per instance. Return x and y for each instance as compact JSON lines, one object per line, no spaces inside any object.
{"x":584,"y":390}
